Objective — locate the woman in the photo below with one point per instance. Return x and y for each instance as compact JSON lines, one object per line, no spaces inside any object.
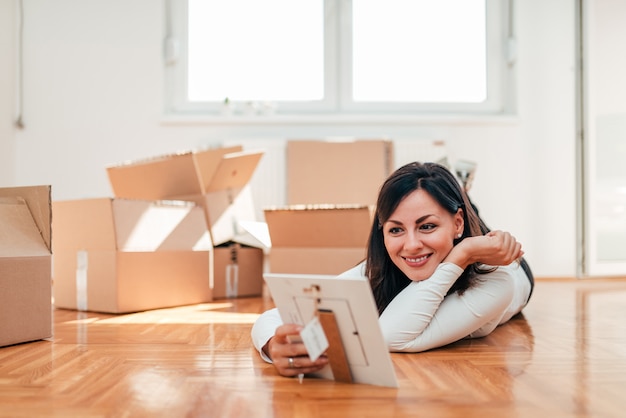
{"x":437,"y":273}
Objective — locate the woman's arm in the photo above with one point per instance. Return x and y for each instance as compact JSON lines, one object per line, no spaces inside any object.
{"x":263,"y":330}
{"x":422,"y":317}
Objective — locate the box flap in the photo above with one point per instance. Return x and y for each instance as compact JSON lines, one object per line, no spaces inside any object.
{"x":167,"y":176}
{"x":256,"y":234}
{"x":207,"y":163}
{"x":234,"y":170}
{"x":319,"y":226}
{"x":155,"y":178}
{"x":19,"y":234}
{"x":159,"y":225}
{"x":38,"y":199}
{"x":337,"y":171}
{"x":225,"y":210}
{"x":82,"y":224}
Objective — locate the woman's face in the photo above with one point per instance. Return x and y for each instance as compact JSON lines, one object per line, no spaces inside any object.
{"x":419,"y":234}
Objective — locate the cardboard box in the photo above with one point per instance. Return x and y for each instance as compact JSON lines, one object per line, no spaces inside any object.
{"x":215,"y":179}
{"x":238,"y":271}
{"x":123,"y":255}
{"x":25,"y":264}
{"x":318,"y":239}
{"x":337,"y":171}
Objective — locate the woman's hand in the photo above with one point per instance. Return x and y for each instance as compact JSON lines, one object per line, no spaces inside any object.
{"x":280,"y":350}
{"x":496,"y":248}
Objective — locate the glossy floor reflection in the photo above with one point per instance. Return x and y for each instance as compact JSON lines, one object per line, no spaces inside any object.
{"x":565,"y":356}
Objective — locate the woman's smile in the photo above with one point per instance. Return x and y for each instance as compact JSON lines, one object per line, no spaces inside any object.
{"x":417,"y":261}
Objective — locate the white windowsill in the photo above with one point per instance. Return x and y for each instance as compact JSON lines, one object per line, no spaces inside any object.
{"x":500,"y":119}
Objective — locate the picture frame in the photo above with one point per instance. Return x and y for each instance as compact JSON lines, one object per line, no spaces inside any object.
{"x":301,"y":297}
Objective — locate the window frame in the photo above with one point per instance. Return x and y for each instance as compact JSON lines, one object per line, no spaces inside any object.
{"x":337,"y":66}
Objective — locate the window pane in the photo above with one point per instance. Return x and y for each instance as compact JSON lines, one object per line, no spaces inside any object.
{"x":419,"y":51}
{"x":250,"y":50}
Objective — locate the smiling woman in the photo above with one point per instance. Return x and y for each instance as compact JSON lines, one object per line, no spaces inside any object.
{"x":418,"y":201}
{"x":437,"y":273}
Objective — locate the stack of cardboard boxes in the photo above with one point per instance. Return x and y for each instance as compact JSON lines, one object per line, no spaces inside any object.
{"x":216,"y":180}
{"x":25,"y":264}
{"x":332,"y":186}
{"x":178,"y":231}
{"x":172,"y":235}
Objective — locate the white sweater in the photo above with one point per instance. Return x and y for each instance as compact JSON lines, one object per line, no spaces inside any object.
{"x":422,"y":317}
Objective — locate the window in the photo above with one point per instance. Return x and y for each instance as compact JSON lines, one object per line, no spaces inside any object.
{"x":337,"y":56}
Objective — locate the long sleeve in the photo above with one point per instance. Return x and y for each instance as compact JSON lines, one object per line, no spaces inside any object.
{"x":265,"y":326}
{"x":422,"y":317}
{"x":263,"y":329}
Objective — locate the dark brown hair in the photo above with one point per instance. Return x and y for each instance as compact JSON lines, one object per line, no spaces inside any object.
{"x":386,"y":279}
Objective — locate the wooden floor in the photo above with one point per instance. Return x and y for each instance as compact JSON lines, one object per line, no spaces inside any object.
{"x":565,"y":357}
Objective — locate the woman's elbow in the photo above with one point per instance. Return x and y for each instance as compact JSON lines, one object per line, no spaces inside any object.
{"x":399,"y":342}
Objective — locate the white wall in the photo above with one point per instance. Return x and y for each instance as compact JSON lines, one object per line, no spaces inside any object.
{"x":93,"y":97}
{"x":7,"y":92}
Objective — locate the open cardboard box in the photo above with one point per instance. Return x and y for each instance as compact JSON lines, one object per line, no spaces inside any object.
{"x":239,"y":266}
{"x":238,"y":271}
{"x":317,"y":239}
{"x":25,"y":264}
{"x":339,"y":171}
{"x":218,"y":181}
{"x":123,"y":255}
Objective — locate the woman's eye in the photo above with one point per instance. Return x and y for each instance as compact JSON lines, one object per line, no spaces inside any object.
{"x":394,"y":230}
{"x":428,"y":227}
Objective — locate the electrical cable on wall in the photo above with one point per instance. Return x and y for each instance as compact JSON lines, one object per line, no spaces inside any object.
{"x":19,"y":123}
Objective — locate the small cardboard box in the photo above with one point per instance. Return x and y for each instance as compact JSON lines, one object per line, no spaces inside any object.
{"x":337,"y":171}
{"x":25,"y":264}
{"x":238,"y":271}
{"x":327,"y":239}
{"x":123,"y":255}
{"x":216,"y":179}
